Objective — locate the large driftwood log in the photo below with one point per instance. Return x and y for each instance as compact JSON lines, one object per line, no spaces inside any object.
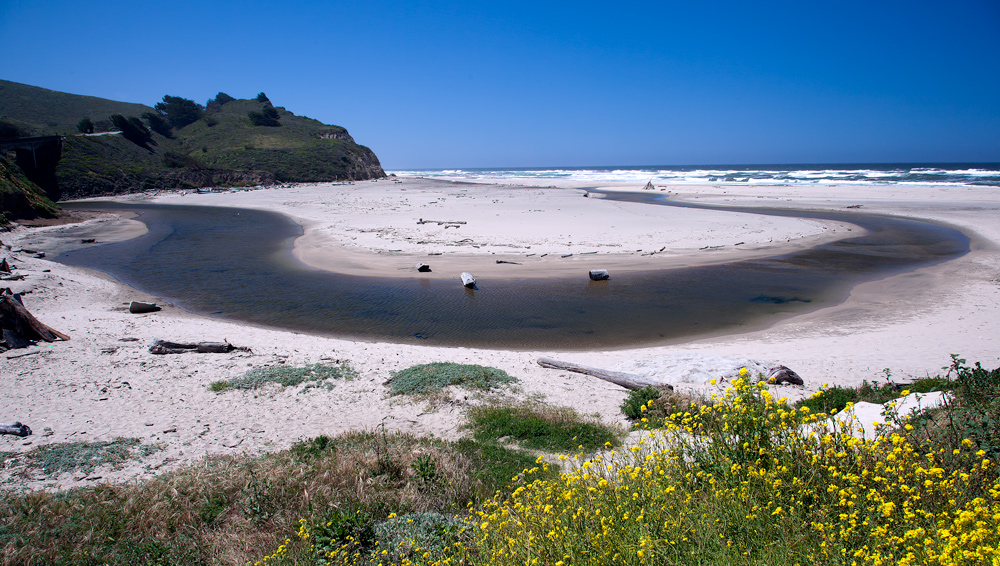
{"x":15,"y":428}
{"x":626,"y":380}
{"x":19,"y":327}
{"x":167,"y":347}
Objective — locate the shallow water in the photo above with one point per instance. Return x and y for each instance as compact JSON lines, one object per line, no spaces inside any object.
{"x":237,"y":264}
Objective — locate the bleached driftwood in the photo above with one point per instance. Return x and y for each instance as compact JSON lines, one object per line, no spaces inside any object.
{"x":626,"y":380}
{"x":468,"y":280}
{"x":166,"y":347}
{"x":19,"y":327}
{"x":15,"y":428}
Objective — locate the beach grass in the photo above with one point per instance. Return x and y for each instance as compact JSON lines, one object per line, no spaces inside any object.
{"x":429,"y":378}
{"x":234,"y":509}
{"x":540,"y":427}
{"x":54,"y":459}
{"x":315,"y":375}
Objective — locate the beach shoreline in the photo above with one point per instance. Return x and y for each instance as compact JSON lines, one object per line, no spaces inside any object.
{"x":98,"y":387}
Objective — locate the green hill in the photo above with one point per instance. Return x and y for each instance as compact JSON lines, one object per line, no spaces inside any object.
{"x":180,"y":144}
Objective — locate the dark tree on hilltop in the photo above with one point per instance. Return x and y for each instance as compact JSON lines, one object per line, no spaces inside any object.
{"x":179,"y":111}
{"x":223,"y":98}
{"x":85,"y":126}
{"x":158,"y":124}
{"x":266,"y":117}
{"x":261,"y":97}
{"x":133,"y":129}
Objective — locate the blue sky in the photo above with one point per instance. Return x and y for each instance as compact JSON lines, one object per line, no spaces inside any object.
{"x":506,"y":84}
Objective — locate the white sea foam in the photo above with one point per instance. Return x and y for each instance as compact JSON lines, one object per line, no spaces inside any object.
{"x":884,"y":175}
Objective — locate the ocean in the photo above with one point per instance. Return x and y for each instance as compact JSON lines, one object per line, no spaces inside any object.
{"x":957,"y":174}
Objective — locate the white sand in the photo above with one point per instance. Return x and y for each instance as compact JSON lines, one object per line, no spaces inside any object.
{"x":98,"y":387}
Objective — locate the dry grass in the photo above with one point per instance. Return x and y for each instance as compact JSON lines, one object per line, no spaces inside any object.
{"x":230,"y":510}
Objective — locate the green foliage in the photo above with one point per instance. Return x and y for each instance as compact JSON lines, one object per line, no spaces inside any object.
{"x":427,"y":378}
{"x":132,"y":129}
{"x":286,"y":376}
{"x":261,"y":97}
{"x":268,"y":116}
{"x":85,"y":126}
{"x":539,"y":427}
{"x":313,"y":447}
{"x":222,"y":98}
{"x":417,"y":533}
{"x":632,"y":406}
{"x":179,"y":111}
{"x":157,"y":124}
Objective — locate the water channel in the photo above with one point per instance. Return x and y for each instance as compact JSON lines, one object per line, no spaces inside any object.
{"x":237,"y":264}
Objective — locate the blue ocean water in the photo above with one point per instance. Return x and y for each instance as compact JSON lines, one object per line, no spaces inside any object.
{"x":959,"y":174}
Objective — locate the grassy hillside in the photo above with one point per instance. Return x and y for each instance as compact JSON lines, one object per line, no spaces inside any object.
{"x":222,"y":146}
{"x":45,"y":112}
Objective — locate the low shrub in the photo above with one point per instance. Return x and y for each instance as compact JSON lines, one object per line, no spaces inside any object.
{"x":286,"y":376}
{"x":428,"y":378}
{"x":539,"y":427}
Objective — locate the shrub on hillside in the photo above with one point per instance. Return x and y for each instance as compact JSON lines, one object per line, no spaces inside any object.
{"x":179,"y":111}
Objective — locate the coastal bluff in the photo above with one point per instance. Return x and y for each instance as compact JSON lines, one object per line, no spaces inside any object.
{"x":113,"y":147}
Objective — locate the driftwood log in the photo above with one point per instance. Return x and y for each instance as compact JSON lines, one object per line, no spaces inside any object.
{"x":779,"y":375}
{"x":15,"y":428}
{"x":626,"y":380}
{"x":137,"y":307}
{"x":167,"y":347}
{"x":599,"y":275}
{"x":18,"y":325}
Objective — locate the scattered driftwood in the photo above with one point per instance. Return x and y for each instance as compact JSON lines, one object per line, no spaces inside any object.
{"x":510,"y":262}
{"x":4,"y":266}
{"x":599,"y":275}
{"x":440,"y":222}
{"x":15,"y":428}
{"x":468,"y":280}
{"x":781,"y":374}
{"x":167,"y":347}
{"x":136,"y":307}
{"x":650,"y":186}
{"x":626,"y":380}
{"x":19,"y":327}
{"x":423,"y":267}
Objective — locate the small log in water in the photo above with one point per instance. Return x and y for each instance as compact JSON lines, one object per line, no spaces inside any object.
{"x":599,"y":275}
{"x":626,"y":380}
{"x":468,"y":280}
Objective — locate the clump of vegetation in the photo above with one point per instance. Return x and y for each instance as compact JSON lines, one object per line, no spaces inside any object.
{"x":236,"y":509}
{"x":539,"y":427}
{"x":84,"y":457}
{"x":652,"y":406}
{"x":286,"y":376}
{"x":428,"y":378}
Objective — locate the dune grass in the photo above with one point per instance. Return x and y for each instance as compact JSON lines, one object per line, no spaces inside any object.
{"x":314,"y":375}
{"x":428,"y":378}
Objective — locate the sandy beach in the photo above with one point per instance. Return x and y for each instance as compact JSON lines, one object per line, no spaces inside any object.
{"x":103,"y":383}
